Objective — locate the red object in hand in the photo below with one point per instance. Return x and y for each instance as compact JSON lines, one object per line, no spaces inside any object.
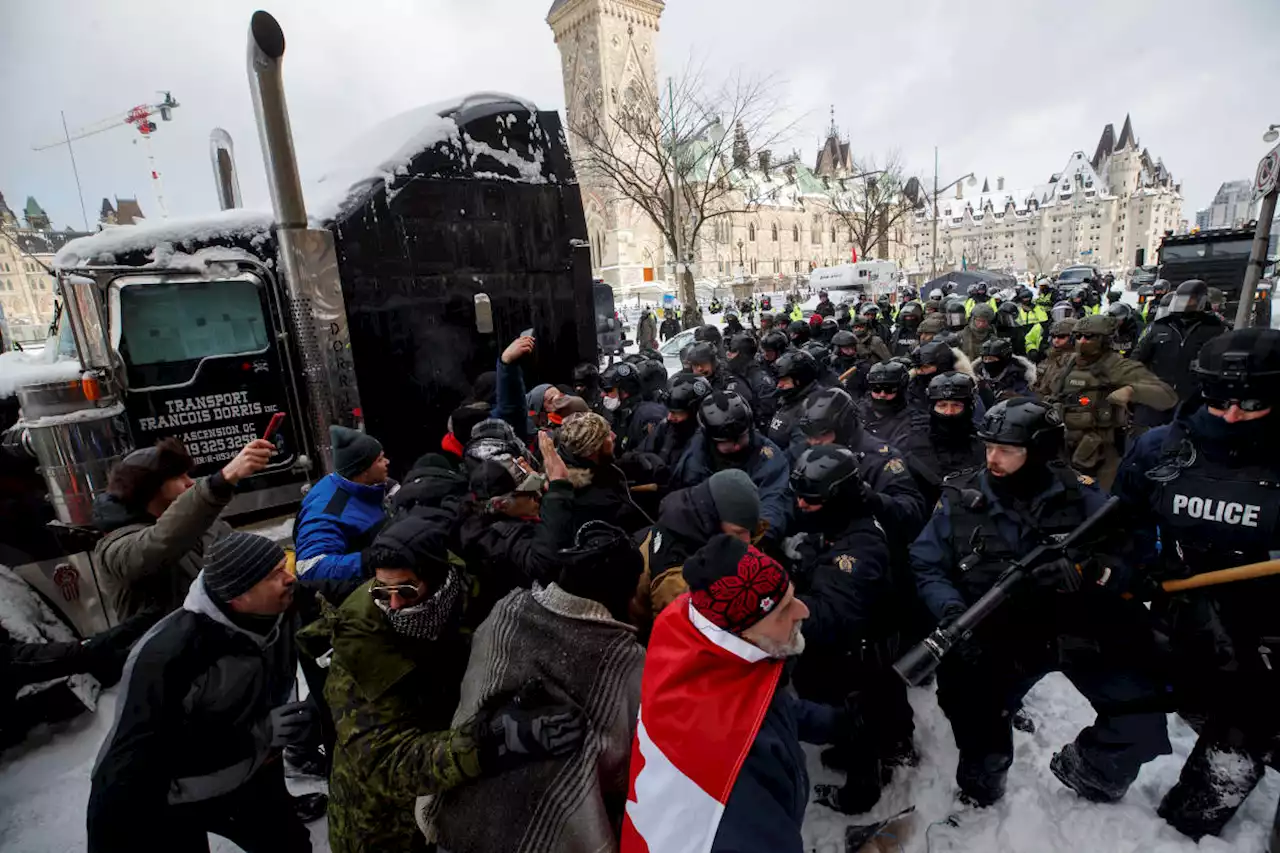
{"x":274,"y":425}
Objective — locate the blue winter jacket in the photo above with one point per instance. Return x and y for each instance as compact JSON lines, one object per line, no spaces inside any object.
{"x":766,"y":465}
{"x":337,"y":520}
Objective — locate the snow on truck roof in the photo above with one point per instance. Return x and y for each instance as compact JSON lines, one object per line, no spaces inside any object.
{"x":377,"y":156}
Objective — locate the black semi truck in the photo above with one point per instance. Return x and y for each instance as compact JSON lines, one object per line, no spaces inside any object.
{"x":444,"y":234}
{"x":1219,"y":258}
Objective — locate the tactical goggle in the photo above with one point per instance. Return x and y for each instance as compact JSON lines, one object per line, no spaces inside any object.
{"x":406,"y":591}
{"x":1249,"y":405}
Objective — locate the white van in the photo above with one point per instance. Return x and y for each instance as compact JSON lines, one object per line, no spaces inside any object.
{"x":843,"y":283}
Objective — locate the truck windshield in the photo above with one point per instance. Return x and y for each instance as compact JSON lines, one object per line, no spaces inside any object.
{"x":167,"y":329}
{"x":1075,"y":274}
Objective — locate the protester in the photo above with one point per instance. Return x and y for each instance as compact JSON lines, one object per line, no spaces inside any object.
{"x":202,"y":715}
{"x":718,"y":735}
{"x":343,"y":512}
{"x":399,"y":649}
{"x":573,"y":639}
{"x":159,"y":523}
{"x":585,"y":446}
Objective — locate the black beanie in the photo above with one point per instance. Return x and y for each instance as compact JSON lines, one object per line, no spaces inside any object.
{"x":353,"y":451}
{"x":136,"y":478}
{"x":236,"y":562}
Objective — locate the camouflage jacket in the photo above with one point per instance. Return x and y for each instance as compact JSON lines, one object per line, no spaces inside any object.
{"x":392,"y":700}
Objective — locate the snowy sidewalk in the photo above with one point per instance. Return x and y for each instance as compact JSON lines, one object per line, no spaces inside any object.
{"x":44,"y":787}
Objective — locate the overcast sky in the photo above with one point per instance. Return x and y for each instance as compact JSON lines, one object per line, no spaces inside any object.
{"x":1003,"y":88}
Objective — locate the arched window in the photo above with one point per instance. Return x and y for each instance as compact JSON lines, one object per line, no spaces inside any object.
{"x":775,"y":232}
{"x":795,"y":233}
{"x":751,"y":232}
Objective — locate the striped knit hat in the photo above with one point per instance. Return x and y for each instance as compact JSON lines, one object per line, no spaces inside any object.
{"x":236,"y":562}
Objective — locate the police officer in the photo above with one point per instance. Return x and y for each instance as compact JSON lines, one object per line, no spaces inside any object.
{"x":1001,"y":374}
{"x":830,"y":417}
{"x":586,"y":384}
{"x":825,"y":308}
{"x":905,"y":337}
{"x":711,"y":335}
{"x":1094,"y":395}
{"x":1159,"y":289}
{"x":1129,"y":327}
{"x":633,"y":416}
{"x":797,"y":378}
{"x":705,"y":361}
{"x":1172,"y":343}
{"x":744,"y":367}
{"x":727,"y":438}
{"x":827,"y":330}
{"x":950,"y":444}
{"x":669,"y":438}
{"x":766,"y":323}
{"x":870,"y":335}
{"x":930,"y":327}
{"x":772,"y":345}
{"x":798,"y":331}
{"x":978,"y":296}
{"x":1008,"y":326}
{"x":978,"y":331}
{"x":1062,"y":346}
{"x":1064,"y":618}
{"x":1208,"y":485}
{"x":732,"y":325}
{"x":884,"y":410}
{"x":840,"y":563}
{"x":929,"y":358}
{"x":955,"y":315}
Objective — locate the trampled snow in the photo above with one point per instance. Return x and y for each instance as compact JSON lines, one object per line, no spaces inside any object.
{"x":44,"y":786}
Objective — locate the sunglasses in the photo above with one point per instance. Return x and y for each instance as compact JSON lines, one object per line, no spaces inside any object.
{"x":1061,"y":337}
{"x":1245,"y":405}
{"x":1087,"y":337}
{"x":406,"y":591}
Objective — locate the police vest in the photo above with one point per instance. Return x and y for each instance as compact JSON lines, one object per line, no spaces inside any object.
{"x":982,"y":554}
{"x":1083,"y":398}
{"x":1214,"y":516}
{"x":905,"y":344}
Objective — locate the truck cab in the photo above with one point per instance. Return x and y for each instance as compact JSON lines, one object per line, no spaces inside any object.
{"x":1219,"y":258}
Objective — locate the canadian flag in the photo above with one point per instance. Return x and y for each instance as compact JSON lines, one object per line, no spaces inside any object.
{"x":703,"y":696}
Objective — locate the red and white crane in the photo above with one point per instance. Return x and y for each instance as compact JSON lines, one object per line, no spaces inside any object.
{"x":139,"y":118}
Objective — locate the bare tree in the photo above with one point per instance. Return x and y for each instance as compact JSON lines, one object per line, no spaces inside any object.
{"x":679,"y":154}
{"x":872,"y":204}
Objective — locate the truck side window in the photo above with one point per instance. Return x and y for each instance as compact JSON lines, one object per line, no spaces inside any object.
{"x":168,"y":329}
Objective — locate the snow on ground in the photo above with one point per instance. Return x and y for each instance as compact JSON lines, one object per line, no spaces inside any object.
{"x":44,"y":787}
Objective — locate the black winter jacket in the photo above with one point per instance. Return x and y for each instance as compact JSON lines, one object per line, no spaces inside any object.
{"x":1168,"y":347}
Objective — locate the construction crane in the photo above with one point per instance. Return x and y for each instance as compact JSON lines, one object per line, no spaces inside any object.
{"x":140,"y":118}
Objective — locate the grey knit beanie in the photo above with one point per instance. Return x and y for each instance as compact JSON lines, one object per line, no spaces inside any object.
{"x":236,"y":562}
{"x":736,"y":498}
{"x":353,"y":451}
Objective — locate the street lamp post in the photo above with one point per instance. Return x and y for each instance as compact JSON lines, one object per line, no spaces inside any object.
{"x":1268,"y":186}
{"x":742,"y":262}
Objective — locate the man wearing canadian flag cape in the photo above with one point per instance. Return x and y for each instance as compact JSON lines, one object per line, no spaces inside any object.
{"x":716,"y":764}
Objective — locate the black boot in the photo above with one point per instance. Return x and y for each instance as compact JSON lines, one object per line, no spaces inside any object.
{"x":309,"y":807}
{"x":1214,"y":782}
{"x":1076,"y":773}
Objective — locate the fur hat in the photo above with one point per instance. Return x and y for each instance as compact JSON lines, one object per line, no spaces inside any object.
{"x":137,"y":477}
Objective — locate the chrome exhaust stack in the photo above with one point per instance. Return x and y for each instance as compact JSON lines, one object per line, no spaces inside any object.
{"x":225,"y":178}
{"x":308,"y":258}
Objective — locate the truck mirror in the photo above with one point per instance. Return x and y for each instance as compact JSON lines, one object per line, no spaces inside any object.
{"x":484,"y":314}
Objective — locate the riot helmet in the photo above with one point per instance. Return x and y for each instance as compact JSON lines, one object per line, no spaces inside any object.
{"x":703,"y":354}
{"x":944,"y":392}
{"x":1145,"y":292}
{"x":743,"y":345}
{"x":822,"y":474}
{"x":797,"y":366}
{"x":888,"y":377}
{"x":1008,"y":316}
{"x":869,"y":312}
{"x":982,"y":311}
{"x":936,"y":294}
{"x":1093,"y":334}
{"x":798,"y":332}
{"x":1024,"y":295}
{"x":978,"y":291}
{"x":1159,"y":288}
{"x":766,"y":321}
{"x":1063,"y":311}
{"x":818,"y":350}
{"x":724,"y":416}
{"x":774,"y":342}
{"x":1242,"y":367}
{"x":952,"y":385}
{"x":829,"y":325}
{"x":910,"y":315}
{"x":934,"y":357}
{"x":623,"y":378}
{"x":684,"y":357}
{"x":830,"y":412}
{"x":709,"y":334}
{"x":586,"y":377}
{"x":1165,"y":306}
{"x":996,"y":353}
{"x":953,"y":311}
{"x":1190,"y":297}
{"x":1025,"y":422}
{"x":687,"y":392}
{"x":843,"y":339}
{"x":653,"y":380}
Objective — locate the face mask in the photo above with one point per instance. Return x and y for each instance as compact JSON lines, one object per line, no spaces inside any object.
{"x":611,"y":403}
{"x":1089,"y":349}
{"x":995,"y":368}
{"x":685,"y":427}
{"x":1231,"y":438}
{"x":886,"y":407}
{"x":951,"y":427}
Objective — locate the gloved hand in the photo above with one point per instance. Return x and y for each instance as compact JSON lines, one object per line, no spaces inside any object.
{"x":1060,"y":575}
{"x":966,"y":649}
{"x":532,"y":726}
{"x":802,"y":552}
{"x":291,"y":724}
